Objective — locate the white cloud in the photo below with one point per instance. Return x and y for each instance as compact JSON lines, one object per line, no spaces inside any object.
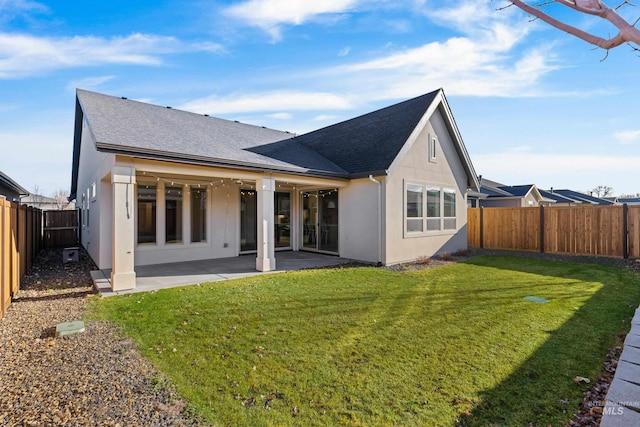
{"x":281,"y":116}
{"x":89,"y":82}
{"x":24,"y":55}
{"x":270,"y":15}
{"x":325,"y":118}
{"x":627,"y":136}
{"x":268,"y":101}
{"x":345,"y":51}
{"x":480,"y":66}
{"x":9,"y":9}
{"x":573,"y":171}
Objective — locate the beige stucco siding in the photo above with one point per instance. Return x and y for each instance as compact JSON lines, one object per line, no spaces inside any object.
{"x":359,"y":220}
{"x":223,"y":223}
{"x":93,"y":166}
{"x":445,"y":173}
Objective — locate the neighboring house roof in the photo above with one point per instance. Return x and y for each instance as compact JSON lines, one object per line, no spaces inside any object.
{"x":629,"y":200}
{"x":581,"y":197}
{"x":36,"y":198}
{"x":11,"y":184}
{"x":495,"y":190}
{"x":559,"y":198}
{"x":365,"y":145}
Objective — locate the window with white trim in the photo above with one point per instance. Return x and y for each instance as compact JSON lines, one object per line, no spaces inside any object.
{"x":433,"y":209}
{"x":433,"y":145}
{"x":414,"y":208}
{"x":449,"y":213}
{"x":428,"y":209}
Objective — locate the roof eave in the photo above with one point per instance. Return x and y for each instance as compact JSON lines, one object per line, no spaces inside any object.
{"x":357,"y":175}
{"x":208,"y":161}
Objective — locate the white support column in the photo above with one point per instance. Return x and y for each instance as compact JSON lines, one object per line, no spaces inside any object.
{"x":266,"y":260}
{"x":123,"y":275}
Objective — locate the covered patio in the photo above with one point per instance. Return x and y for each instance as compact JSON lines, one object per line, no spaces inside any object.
{"x":169,"y":275}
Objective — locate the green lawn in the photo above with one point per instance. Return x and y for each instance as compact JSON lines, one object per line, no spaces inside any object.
{"x":365,"y":346}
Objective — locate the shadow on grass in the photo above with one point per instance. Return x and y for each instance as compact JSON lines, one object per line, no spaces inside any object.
{"x":541,"y":391}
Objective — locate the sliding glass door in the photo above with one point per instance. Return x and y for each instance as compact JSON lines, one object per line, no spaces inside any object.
{"x":320,"y":220}
{"x":249,"y":220}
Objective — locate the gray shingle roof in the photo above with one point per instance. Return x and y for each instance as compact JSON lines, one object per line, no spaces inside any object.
{"x":123,"y":125}
{"x":369,"y":143}
{"x":9,"y":183}
{"x":557,"y":197}
{"x":581,"y":197}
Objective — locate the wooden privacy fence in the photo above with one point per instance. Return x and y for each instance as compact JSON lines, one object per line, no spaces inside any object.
{"x":20,"y":242}
{"x":612,"y":231}
{"x":60,"y":228}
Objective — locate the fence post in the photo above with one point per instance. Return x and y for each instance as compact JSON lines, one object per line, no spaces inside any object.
{"x":541,"y":229}
{"x":481,"y":227}
{"x":625,"y":231}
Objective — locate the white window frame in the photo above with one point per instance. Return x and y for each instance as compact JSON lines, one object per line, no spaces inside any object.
{"x":408,"y":184}
{"x":433,"y":148}
{"x":434,"y":219}
{"x":428,"y":223}
{"x":455,"y":210}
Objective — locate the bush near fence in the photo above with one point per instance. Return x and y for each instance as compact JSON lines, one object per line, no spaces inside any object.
{"x":612,"y":231}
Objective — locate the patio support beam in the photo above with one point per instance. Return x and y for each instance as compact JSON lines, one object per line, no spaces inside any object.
{"x":266,"y":259}
{"x":123,"y":275}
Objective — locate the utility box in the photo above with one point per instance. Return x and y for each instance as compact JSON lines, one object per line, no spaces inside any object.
{"x":70,"y":255}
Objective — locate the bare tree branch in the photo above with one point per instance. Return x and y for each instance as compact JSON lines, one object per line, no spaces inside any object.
{"x":628,"y":33}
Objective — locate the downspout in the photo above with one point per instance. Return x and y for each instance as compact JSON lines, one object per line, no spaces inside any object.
{"x":372,"y":179}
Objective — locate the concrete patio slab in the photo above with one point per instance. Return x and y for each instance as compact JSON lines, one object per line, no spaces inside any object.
{"x":162,"y":276}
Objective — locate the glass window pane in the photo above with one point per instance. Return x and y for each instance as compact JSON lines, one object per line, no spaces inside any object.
{"x":198,"y":214}
{"x":282,"y":220}
{"x":414,"y":225}
{"x":173,"y":214}
{"x":449,"y":204}
{"x":248,"y":220}
{"x":414,"y":201}
{"x":433,"y":224}
{"x":433,"y":203}
{"x":146,"y":214}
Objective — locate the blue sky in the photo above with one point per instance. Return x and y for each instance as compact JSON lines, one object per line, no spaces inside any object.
{"x":533,"y":104}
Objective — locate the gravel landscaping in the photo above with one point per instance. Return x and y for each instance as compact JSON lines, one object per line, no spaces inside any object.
{"x":95,"y":377}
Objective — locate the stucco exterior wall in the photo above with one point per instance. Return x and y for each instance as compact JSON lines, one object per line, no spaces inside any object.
{"x":223,"y":225}
{"x":446,"y":172}
{"x":501,"y":203}
{"x":359,"y":220}
{"x":93,"y":167}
